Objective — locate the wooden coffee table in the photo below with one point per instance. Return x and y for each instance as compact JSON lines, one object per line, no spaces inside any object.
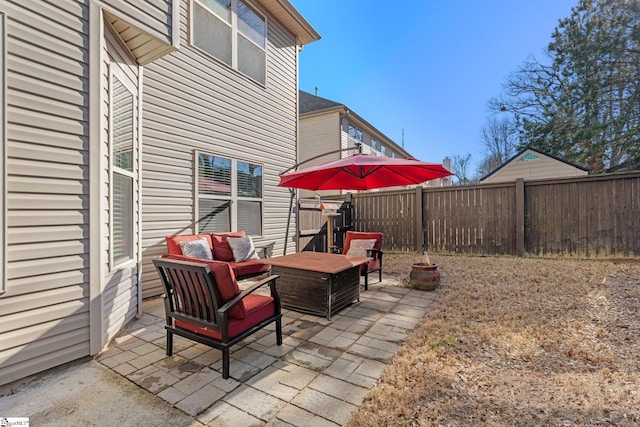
{"x":317,"y":282}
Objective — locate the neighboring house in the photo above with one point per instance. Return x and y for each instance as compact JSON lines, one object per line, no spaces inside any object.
{"x":441,"y":182}
{"x":124,"y":122}
{"x":327,"y":126}
{"x":533,"y":164}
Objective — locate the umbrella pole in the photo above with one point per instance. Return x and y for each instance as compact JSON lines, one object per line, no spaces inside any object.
{"x":286,"y":234}
{"x":329,"y":233}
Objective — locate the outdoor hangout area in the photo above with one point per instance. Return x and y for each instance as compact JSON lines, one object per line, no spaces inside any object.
{"x":338,"y":334}
{"x":198,"y":229}
{"x":502,"y":340}
{"x":319,"y":374}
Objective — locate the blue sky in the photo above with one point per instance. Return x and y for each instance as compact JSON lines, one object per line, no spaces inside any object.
{"x":429,"y":68}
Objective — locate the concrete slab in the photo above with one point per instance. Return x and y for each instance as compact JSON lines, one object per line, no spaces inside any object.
{"x":87,"y":393}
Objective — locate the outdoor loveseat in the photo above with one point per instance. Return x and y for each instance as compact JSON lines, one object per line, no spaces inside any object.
{"x":243,"y":258}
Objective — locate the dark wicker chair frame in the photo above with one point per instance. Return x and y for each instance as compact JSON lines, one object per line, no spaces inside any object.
{"x":188,"y":289}
{"x":374,"y":253}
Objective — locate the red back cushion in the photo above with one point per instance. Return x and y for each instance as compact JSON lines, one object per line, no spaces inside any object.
{"x":225,"y":281}
{"x":354,"y":235}
{"x":221,"y":249}
{"x":173,"y":242}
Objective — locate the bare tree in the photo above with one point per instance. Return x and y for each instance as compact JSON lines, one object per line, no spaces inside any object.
{"x":460,"y":168}
{"x":499,"y":138}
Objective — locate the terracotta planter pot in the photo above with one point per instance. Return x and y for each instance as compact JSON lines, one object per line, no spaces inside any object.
{"x":424,"y":277}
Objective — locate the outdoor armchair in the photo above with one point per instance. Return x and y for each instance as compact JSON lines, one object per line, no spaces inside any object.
{"x":203,"y":303}
{"x":360,"y":243}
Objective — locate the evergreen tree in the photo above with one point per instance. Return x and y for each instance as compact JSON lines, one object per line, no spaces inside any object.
{"x":584,"y":105}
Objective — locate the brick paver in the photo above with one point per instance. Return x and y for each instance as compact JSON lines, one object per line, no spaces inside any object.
{"x":318,"y":377}
{"x":326,"y":406}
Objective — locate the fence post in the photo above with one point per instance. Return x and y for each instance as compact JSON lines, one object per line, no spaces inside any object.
{"x":520,"y":217}
{"x":421,"y":244}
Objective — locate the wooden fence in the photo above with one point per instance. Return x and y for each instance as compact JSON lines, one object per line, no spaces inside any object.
{"x":585,"y":217}
{"x":312,"y":225}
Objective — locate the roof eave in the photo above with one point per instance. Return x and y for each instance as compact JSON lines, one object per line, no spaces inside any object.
{"x":284,"y":11}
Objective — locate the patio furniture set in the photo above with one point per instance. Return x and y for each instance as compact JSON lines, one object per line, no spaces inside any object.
{"x":203,"y":301}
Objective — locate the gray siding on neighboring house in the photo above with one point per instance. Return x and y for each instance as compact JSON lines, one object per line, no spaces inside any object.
{"x":319,"y":134}
{"x":193,"y":102}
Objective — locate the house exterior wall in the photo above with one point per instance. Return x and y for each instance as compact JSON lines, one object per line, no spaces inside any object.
{"x":44,"y":313}
{"x":61,"y":300}
{"x":50,"y":297}
{"x":533,"y":165}
{"x":319,"y":134}
{"x":222,"y":112}
{"x":368,"y":136}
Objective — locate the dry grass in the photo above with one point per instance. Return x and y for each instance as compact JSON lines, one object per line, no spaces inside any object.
{"x":517,"y":342}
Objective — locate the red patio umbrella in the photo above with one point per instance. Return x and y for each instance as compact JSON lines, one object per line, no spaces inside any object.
{"x":363,"y":172}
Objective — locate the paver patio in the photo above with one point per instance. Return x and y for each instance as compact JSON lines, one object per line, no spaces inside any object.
{"x":317,"y":377}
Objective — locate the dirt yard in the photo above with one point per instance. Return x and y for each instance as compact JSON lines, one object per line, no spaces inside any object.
{"x":524,"y":342}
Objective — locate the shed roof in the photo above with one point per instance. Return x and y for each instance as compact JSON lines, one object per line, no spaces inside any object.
{"x":519,"y":153}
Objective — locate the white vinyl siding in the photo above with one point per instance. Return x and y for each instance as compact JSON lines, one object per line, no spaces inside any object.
{"x":3,"y":150}
{"x":56,"y":294}
{"x":62,"y":301}
{"x":319,"y":134}
{"x":44,"y":313}
{"x":192,"y":103}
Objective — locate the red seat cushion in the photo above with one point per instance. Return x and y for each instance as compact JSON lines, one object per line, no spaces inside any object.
{"x":225,"y":281}
{"x":373,"y":265}
{"x":356,"y":235}
{"x":249,"y":267}
{"x":259,"y":308}
{"x":221,"y":249}
{"x":173,"y":242}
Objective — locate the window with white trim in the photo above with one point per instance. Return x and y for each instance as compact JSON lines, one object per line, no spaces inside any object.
{"x":355,"y":133}
{"x":122,"y":172}
{"x":229,"y":195}
{"x":234,"y":32}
